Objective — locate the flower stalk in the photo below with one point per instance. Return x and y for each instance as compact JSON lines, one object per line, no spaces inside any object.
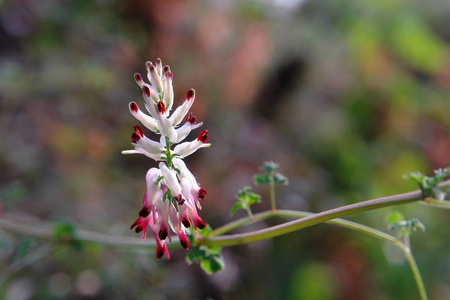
{"x":173,"y":194}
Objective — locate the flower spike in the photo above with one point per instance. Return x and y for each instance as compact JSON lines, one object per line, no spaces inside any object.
{"x":172,"y":194}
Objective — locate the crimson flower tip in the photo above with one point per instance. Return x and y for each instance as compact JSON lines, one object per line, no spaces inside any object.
{"x":144,"y":212}
{"x":166,"y":69}
{"x":201,"y":224}
{"x":184,"y":242}
{"x":161,"y":107}
{"x":134,"y":107}
{"x":201,"y":194}
{"x":138,"y":130}
{"x":146,"y":90}
{"x":159,"y":253}
{"x":186,"y":222}
{"x":138,"y":77}
{"x":135,"y":137}
{"x":190,"y":94}
{"x":162,"y":234}
{"x":191,"y":119}
{"x":203,"y":136}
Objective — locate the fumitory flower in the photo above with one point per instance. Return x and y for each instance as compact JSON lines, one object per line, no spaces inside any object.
{"x":172,"y":194}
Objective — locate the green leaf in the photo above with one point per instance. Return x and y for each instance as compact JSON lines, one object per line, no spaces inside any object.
{"x":212,"y":264}
{"x":269,"y":166}
{"x":237,"y":206}
{"x":65,"y":233}
{"x":416,"y":176}
{"x":441,"y":174}
{"x":248,"y":198}
{"x":195,"y":254}
{"x":24,"y":247}
{"x":261,"y":179}
{"x":245,"y":199}
{"x":270,"y":176}
{"x":395,"y":217}
{"x":416,"y":224}
{"x":209,"y":257}
{"x":242,"y":194}
{"x":403,"y":227}
{"x":280,"y":179}
{"x":205,"y":231}
{"x":429,"y":184}
{"x":252,"y":198}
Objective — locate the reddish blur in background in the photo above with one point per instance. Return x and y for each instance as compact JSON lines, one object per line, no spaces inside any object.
{"x":345,"y":95}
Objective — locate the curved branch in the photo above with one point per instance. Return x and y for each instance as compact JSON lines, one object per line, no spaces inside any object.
{"x":274,"y":231}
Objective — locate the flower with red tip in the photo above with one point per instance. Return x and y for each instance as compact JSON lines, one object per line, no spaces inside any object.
{"x":187,"y":148}
{"x":158,"y":98}
{"x":172,"y":194}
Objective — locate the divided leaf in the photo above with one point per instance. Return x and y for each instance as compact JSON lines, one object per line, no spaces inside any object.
{"x":403,"y":227}
{"x":209,"y":258}
{"x":261,"y":179}
{"x":245,"y":199}
{"x":428,"y":185}
{"x":269,"y":166}
{"x":280,"y":179}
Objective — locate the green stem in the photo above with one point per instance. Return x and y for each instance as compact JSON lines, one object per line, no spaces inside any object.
{"x":47,"y":233}
{"x":338,"y":222}
{"x":244,"y":238}
{"x":272,"y":192}
{"x":249,"y":212}
{"x":416,"y":273}
{"x":434,"y":203}
{"x":241,"y":222}
{"x":168,"y":154}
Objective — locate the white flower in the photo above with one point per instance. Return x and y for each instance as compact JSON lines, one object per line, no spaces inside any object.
{"x":173,"y":194}
{"x":158,"y":97}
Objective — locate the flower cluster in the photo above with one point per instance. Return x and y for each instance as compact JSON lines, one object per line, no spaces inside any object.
{"x":173,"y":194}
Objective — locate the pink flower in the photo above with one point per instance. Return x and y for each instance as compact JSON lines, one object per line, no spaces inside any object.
{"x":172,"y":194}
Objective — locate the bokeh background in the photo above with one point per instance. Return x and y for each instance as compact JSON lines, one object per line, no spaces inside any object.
{"x":346,"y":95}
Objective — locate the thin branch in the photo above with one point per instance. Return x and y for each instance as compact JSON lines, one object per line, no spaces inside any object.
{"x":243,"y":238}
{"x":338,"y":222}
{"x":46,"y":233}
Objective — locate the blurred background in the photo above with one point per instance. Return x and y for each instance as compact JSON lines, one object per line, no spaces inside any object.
{"x":346,"y":96}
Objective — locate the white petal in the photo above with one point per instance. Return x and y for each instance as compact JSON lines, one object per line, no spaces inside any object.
{"x":183,"y":131}
{"x":165,"y":127}
{"x":170,"y":179}
{"x":139,"y":150}
{"x":146,"y":120}
{"x":153,"y":77}
{"x":187,"y":148}
{"x":150,"y":146}
{"x":184,"y":171}
{"x":181,"y":111}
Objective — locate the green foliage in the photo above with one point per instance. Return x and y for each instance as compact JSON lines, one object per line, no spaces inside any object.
{"x":24,"y":247}
{"x":245,"y":199}
{"x":397,"y":223}
{"x":270,"y":176}
{"x":417,"y":44}
{"x":261,"y":179}
{"x":313,"y":281}
{"x":269,"y":166}
{"x":209,"y":257}
{"x":428,"y":185}
{"x":65,"y":233}
{"x":279,"y":178}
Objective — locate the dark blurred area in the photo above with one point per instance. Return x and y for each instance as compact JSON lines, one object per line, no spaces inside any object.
{"x":346,"y":96}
